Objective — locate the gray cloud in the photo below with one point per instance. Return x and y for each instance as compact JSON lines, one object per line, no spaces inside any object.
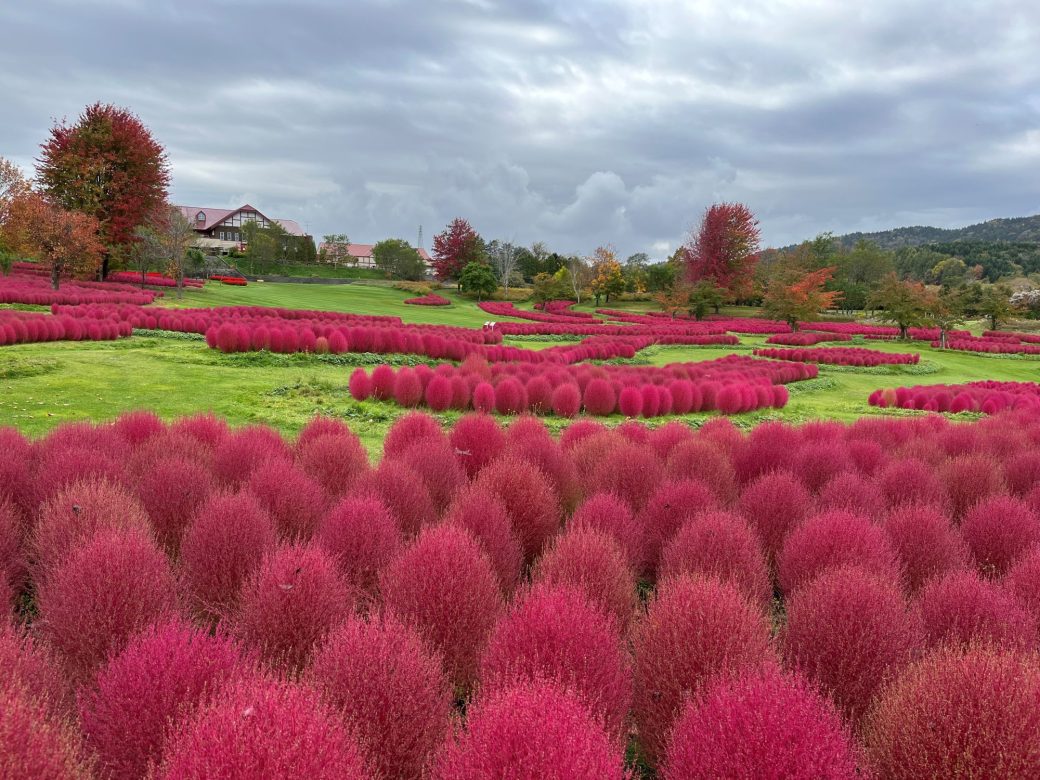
{"x":578,"y":123}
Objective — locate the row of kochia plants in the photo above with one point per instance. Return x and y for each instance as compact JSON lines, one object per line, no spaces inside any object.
{"x":181,"y":599}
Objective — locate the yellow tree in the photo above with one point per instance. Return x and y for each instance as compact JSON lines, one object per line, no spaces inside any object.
{"x":607,"y":276}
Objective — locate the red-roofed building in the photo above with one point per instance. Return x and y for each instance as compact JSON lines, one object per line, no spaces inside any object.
{"x":361,"y":255}
{"x":221,"y":229}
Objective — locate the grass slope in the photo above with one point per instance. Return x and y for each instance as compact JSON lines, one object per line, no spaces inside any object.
{"x":42,"y":385}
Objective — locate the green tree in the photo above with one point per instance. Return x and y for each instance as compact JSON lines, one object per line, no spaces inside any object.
{"x":945,"y":310}
{"x":478,"y":279}
{"x":703,"y":297}
{"x":950,"y":272}
{"x":261,"y":247}
{"x":660,"y":276}
{"x":993,"y":301}
{"x":903,"y":303}
{"x":164,"y":242}
{"x":397,"y":259}
{"x":544,"y":287}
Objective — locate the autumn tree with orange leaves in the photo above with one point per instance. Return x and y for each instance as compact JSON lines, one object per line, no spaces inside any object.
{"x":724,"y":250}
{"x":108,"y":166}
{"x":794,"y":294}
{"x":65,"y":240}
{"x":607,"y":275}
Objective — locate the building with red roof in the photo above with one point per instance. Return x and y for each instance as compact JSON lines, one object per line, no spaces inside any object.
{"x":221,"y":229}
{"x":361,"y":255}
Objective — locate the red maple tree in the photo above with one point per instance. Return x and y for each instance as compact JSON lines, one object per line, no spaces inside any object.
{"x":109,"y":166}
{"x":794,"y":294}
{"x":454,"y":247}
{"x":725,"y":250}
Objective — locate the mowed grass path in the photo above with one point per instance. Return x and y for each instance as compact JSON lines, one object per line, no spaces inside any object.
{"x":42,"y":385}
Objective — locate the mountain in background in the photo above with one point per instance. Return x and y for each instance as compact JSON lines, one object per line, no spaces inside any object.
{"x":1014,"y":230}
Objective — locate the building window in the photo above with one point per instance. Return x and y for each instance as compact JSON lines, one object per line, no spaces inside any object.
{"x":200,"y":217}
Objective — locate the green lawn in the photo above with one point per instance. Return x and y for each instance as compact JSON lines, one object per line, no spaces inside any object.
{"x":42,"y":385}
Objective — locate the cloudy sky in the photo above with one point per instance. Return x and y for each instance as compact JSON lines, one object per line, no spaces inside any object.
{"x":576,"y":122}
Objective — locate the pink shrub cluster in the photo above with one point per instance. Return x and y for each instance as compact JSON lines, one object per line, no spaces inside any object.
{"x":23,"y":327}
{"x":988,"y":397}
{"x":730,"y":385}
{"x":430,"y":299}
{"x":842,"y":356}
{"x":804,"y":338}
{"x":823,"y":600}
{"x":151,"y":279}
{"x":994,"y":343}
{"x":20,"y":287}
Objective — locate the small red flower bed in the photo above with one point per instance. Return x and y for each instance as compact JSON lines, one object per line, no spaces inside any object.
{"x":430,"y":299}
{"x":841,"y":356}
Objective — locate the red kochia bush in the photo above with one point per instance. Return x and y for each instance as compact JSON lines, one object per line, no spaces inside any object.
{"x":1023,"y":582}
{"x":390,"y":689}
{"x":402,"y":492}
{"x":530,"y":732}
{"x":607,"y":513}
{"x":172,"y":491}
{"x":335,"y":461}
{"x":672,"y":504}
{"x":926,"y":542}
{"x":444,"y":586}
{"x":410,"y":429}
{"x":480,"y":512}
{"x":223,"y":543}
{"x":31,"y":665}
{"x":850,"y":631}
{"x":629,"y":470}
{"x":362,"y":537}
{"x":593,"y":562}
{"x":719,"y":544}
{"x":523,"y":489}
{"x":911,"y":481}
{"x":477,"y":440}
{"x":700,"y":459}
{"x":35,"y":743}
{"x":243,"y":451}
{"x":961,"y":608}
{"x":94,"y":600}
{"x":959,"y":713}
{"x":774,"y":504}
{"x":849,"y":491}
{"x":260,"y":728}
{"x":164,"y":673}
{"x":761,"y":724}
{"x":408,"y":388}
{"x":554,"y":632}
{"x":831,"y":539}
{"x":438,"y":395}
{"x":76,"y":513}
{"x":999,"y":531}
{"x":969,"y":479}
{"x":290,"y":603}
{"x":137,"y":426}
{"x":566,"y":400}
{"x":295,"y":501}
{"x":360,"y":385}
{"x":599,"y":398}
{"x":694,"y":629}
{"x":434,"y":461}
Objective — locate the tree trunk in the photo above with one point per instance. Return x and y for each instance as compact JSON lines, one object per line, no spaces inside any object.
{"x":902,"y":331}
{"x":55,"y":276}
{"x":942,"y":338}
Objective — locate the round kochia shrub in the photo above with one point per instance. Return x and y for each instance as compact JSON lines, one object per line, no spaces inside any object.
{"x":154,"y":684}
{"x":566,"y":400}
{"x":259,"y":728}
{"x":554,"y":632}
{"x":523,"y":489}
{"x":631,"y":471}
{"x":104,"y":591}
{"x":760,"y":724}
{"x":172,"y":491}
{"x":850,"y":631}
{"x":362,"y":538}
{"x":290,"y":603}
{"x":402,"y":492}
{"x":530,"y":732}
{"x":961,"y":608}
{"x":295,"y":501}
{"x":830,"y":539}
{"x":1023,"y":582}
{"x":599,"y":398}
{"x":75,"y":513}
{"x":700,"y":459}
{"x":335,"y":461}
{"x":477,"y":440}
{"x":434,"y":461}
{"x":481,"y":513}
{"x":409,"y":429}
{"x":853,"y":493}
{"x":959,"y":713}
{"x":244,"y":450}
{"x":224,"y":542}
{"x":391,"y":691}
{"x":998,"y":532}
{"x":593,"y":562}
{"x":444,"y":587}
{"x":360,"y":385}
{"x":607,"y":513}
{"x":34,"y":743}
{"x":926,"y":542}
{"x":719,"y":544}
{"x":672,"y":504}
{"x":774,"y":504}
{"x":694,"y":629}
{"x":31,"y":665}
